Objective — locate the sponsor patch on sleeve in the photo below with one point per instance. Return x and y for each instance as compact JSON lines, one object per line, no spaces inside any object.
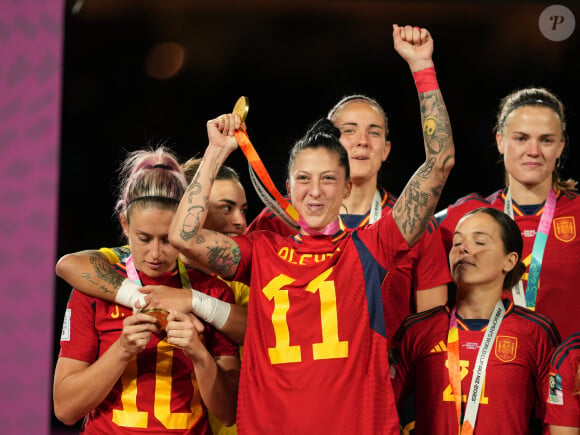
{"x":65,"y":333}
{"x":555,"y":395}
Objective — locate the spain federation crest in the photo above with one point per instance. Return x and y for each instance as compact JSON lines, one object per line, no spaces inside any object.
{"x":506,"y":348}
{"x":565,"y":228}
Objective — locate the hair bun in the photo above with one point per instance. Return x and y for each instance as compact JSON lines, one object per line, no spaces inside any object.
{"x":323,"y":127}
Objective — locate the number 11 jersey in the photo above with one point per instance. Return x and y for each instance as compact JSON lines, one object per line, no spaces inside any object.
{"x":315,"y":358}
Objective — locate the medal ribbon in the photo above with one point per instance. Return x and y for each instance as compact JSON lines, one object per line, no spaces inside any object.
{"x":478,"y":374}
{"x":529,"y":298}
{"x":257,"y":166}
{"x":376,"y":208}
{"x":269,"y":201}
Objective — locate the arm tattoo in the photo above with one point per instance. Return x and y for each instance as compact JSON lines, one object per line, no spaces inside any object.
{"x":420,"y":197}
{"x":415,"y":199}
{"x":191,"y":222}
{"x":89,"y":278}
{"x":104,"y":272}
{"x":224,"y":260}
{"x":193,"y":189}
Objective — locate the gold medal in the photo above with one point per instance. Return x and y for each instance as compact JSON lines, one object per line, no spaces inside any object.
{"x":242,"y":107}
{"x":160,"y":314}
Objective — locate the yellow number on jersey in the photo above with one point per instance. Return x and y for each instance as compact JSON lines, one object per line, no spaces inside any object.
{"x":130,"y":416}
{"x":448,"y":394}
{"x":331,"y":346}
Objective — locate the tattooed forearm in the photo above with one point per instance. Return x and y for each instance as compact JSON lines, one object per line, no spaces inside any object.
{"x":415,"y":207}
{"x":191,"y":222}
{"x":426,"y":169}
{"x":410,"y":210}
{"x":104,"y":272}
{"x":89,"y":278}
{"x":436,"y":128}
{"x":193,"y":189}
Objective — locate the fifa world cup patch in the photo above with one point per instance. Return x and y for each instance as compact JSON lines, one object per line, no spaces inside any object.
{"x":65,"y":333}
{"x":555,"y":395}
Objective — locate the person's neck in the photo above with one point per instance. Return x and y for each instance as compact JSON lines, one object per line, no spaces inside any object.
{"x":330,"y":229}
{"x":360,"y":198}
{"x":530,"y":195}
{"x":477,"y":302}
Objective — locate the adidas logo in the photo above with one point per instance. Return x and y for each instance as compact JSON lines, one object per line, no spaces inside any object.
{"x":439,"y":347}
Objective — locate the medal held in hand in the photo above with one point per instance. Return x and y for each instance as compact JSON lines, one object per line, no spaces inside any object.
{"x":261,"y":180}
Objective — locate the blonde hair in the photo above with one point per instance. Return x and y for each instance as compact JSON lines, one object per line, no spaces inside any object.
{"x":150,"y":177}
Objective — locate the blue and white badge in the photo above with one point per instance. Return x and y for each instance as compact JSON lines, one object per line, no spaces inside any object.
{"x":65,"y":333}
{"x":555,"y":394}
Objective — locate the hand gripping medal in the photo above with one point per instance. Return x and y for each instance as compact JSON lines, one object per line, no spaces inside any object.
{"x":159,"y":313}
{"x":261,"y":180}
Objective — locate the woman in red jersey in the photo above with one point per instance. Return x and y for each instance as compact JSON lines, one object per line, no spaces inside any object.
{"x":531,"y":137}
{"x":314,"y":358}
{"x":481,"y":365}
{"x":127,"y":372}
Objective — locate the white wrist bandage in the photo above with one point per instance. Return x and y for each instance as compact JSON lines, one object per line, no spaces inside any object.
{"x":212,"y":310}
{"x":128,"y":294}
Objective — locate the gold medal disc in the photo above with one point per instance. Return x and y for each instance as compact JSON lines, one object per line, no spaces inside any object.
{"x":160,"y":314}
{"x":242,"y":107}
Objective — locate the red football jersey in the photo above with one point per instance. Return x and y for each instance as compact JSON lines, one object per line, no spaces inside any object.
{"x":423,"y":267}
{"x":515,"y":380}
{"x":315,"y":357}
{"x":563,"y":408}
{"x":158,"y":392}
{"x":557,"y":297}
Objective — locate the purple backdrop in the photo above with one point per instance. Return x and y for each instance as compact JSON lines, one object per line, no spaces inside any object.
{"x":30,"y":84}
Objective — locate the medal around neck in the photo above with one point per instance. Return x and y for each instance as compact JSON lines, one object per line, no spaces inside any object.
{"x":242,"y":107}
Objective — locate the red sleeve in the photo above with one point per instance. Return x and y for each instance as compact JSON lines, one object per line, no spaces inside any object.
{"x":268,"y":221}
{"x":81,"y":342}
{"x":245,"y":243}
{"x":544,"y":348}
{"x":563,"y":402}
{"x":400,"y":357}
{"x":384,"y":240}
{"x":432,"y":267}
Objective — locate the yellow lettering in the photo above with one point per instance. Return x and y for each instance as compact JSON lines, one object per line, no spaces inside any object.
{"x":283,"y":253}
{"x":291,"y":259}
{"x":303,"y":258}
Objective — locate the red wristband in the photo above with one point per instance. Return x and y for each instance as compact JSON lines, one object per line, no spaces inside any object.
{"x":426,"y":80}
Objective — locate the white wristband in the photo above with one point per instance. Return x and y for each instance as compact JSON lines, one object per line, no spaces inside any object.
{"x":214,"y":311}
{"x":128,"y":294}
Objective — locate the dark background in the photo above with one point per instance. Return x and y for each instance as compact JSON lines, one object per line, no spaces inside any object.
{"x":294,"y":60}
